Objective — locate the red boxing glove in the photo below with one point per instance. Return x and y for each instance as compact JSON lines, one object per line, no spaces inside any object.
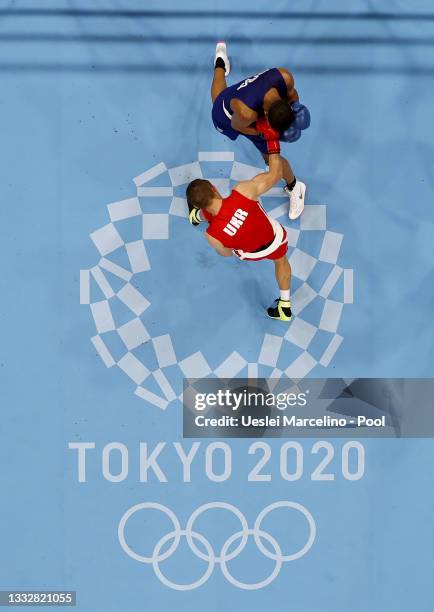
{"x":270,"y":135}
{"x":273,"y":147}
{"x":265,"y":129}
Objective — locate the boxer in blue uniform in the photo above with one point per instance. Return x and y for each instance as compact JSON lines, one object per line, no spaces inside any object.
{"x":270,"y":94}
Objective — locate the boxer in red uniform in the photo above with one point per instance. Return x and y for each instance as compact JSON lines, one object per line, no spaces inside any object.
{"x":238,"y":225}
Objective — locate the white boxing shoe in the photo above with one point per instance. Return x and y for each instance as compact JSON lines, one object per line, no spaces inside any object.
{"x":221,"y":51}
{"x":296,"y":199}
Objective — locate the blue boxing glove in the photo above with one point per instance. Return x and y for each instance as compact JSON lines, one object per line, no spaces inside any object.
{"x":291,"y":134}
{"x":301,"y":116}
{"x":301,"y":122}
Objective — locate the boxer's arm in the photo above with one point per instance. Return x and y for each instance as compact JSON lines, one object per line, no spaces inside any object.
{"x":289,"y":81}
{"x":261,"y":183}
{"x":221,"y":250}
{"x":242,"y":118}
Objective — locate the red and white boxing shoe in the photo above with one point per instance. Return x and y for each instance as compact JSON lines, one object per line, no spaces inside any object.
{"x":221,"y":51}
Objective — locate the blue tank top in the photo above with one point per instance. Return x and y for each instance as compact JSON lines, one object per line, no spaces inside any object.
{"x":251,"y":91}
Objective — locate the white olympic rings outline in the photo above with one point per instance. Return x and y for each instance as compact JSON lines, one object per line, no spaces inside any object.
{"x":210,"y":556}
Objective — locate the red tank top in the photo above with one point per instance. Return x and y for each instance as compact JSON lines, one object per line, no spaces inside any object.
{"x":240,"y":224}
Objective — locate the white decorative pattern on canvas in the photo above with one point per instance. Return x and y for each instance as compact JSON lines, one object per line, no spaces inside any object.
{"x":134,"y":333}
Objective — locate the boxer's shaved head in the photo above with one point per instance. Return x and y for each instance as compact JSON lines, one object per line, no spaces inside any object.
{"x":280,"y":115}
{"x":199,"y":193}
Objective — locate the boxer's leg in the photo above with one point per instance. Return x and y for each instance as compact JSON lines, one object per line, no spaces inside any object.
{"x":222,"y":68}
{"x":294,"y":188}
{"x":282,"y":270}
{"x":282,"y":306}
{"x":287,"y":172}
{"x":218,"y":83}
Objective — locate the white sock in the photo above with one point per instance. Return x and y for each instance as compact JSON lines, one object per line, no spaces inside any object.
{"x":284,"y":295}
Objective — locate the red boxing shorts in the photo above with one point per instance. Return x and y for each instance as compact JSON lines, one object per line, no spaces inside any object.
{"x":275,"y":250}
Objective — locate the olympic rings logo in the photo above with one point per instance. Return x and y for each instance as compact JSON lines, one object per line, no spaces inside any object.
{"x":224,"y":556}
